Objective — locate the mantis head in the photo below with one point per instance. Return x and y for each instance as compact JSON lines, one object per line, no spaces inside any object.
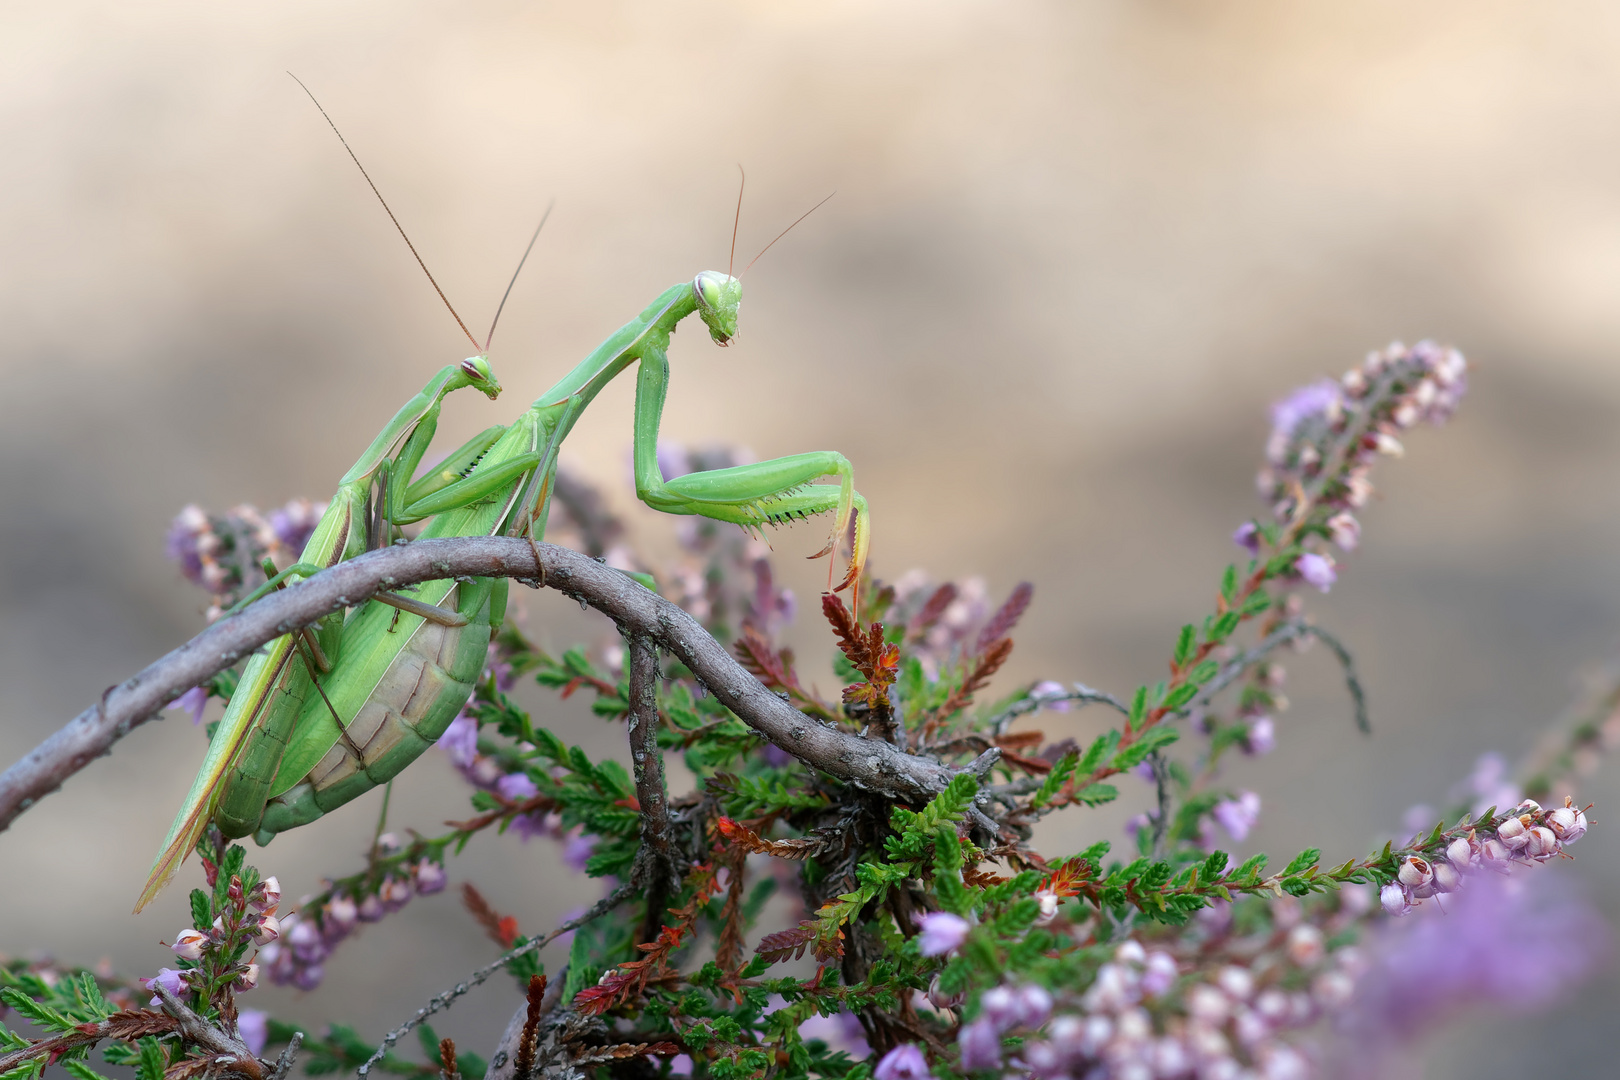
{"x":718,"y":297}
{"x":477,"y":371}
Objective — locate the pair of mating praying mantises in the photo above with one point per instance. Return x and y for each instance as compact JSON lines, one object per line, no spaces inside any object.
{"x":324,"y":714}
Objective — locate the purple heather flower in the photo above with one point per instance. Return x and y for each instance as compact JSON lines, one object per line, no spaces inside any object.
{"x":942,"y":932}
{"x":1049,"y":689}
{"x":516,"y":787}
{"x":460,"y":740}
{"x":1247,"y":536}
{"x":193,"y":701}
{"x":340,"y":913}
{"x":980,"y":1044}
{"x":371,"y":908}
{"x":1136,"y":823}
{"x":904,"y":1062}
{"x":171,"y":979}
{"x":673,"y":460}
{"x":430,"y":877}
{"x":1345,"y":530}
{"x":1000,"y":1007}
{"x":294,"y":523}
{"x":394,"y":893}
{"x":309,"y":976}
{"x":577,"y":852}
{"x":680,"y":1065}
{"x":306,"y":944}
{"x":188,"y":944}
{"x":1511,"y":944}
{"x":189,"y":524}
{"x":842,"y":1031}
{"x":1238,"y":816}
{"x":1317,"y":570}
{"x":1313,"y":399}
{"x":253,"y":1026}
{"x":1262,"y":736}
{"x":1033,"y":1004}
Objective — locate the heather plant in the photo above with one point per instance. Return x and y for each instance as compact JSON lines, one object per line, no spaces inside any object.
{"x":923,"y":933}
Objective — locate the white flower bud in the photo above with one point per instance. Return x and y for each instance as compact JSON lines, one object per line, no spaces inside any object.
{"x":1567,"y":823}
{"x":1460,"y":853}
{"x":1446,"y":878}
{"x":1049,"y":902}
{"x":1424,"y":393}
{"x":1208,"y":1004}
{"x":1333,"y":989}
{"x":1129,"y":952}
{"x":1236,"y":981}
{"x":1393,"y":898}
{"x":249,"y":978}
{"x":272,"y":896}
{"x":1415,"y":872}
{"x":1272,"y":1005}
{"x":188,"y":943}
{"x":1249,"y":1027}
{"x":1542,"y":844}
{"x":268,"y":930}
{"x":1528,"y":806}
{"x":1513,"y":832}
{"x":1135,"y":1025}
{"x":1354,"y":382}
{"x":1305,"y":946}
{"x":1388,"y":445}
{"x":1494,"y":855}
{"x":1405,"y":414}
{"x":1207,"y":1042}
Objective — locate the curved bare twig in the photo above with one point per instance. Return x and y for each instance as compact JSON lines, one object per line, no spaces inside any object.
{"x":868,"y":763}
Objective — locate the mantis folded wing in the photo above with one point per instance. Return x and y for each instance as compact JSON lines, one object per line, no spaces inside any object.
{"x":277,"y":681}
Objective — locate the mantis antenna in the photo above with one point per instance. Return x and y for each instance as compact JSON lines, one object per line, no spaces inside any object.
{"x":736,"y":221}
{"x":502,"y":305}
{"x":779,"y":235}
{"x":390,"y":212}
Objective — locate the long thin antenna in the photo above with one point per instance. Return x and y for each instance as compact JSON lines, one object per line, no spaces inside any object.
{"x":784,"y":232}
{"x":391,"y":216}
{"x":502,"y":306}
{"x":731,"y":262}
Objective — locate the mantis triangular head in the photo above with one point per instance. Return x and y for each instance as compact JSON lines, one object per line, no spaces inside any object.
{"x":718,"y":296}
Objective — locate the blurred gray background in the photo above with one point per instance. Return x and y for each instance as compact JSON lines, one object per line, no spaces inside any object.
{"x":1076,"y":249}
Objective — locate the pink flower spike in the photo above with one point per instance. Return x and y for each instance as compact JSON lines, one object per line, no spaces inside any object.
{"x":942,"y":932}
{"x":904,"y":1062}
{"x":1317,"y":570}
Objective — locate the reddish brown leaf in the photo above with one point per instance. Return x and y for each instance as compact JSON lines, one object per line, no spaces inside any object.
{"x":502,"y":929}
{"x":1002,"y":622}
{"x":933,"y":609}
{"x":787,"y":943}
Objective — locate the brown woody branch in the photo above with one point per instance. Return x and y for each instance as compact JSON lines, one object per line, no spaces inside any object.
{"x":867,"y":763}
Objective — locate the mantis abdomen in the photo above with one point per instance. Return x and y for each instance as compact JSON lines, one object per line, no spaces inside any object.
{"x":424,"y":682}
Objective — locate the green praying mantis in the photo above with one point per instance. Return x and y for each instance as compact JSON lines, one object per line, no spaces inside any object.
{"x":325,"y":714}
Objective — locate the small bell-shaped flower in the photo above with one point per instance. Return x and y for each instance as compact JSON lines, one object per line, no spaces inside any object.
{"x":189,"y":943}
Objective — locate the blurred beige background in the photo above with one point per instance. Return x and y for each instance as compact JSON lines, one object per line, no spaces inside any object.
{"x":1076,"y":249}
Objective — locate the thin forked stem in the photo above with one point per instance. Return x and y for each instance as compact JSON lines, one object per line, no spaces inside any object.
{"x":390,"y":212}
